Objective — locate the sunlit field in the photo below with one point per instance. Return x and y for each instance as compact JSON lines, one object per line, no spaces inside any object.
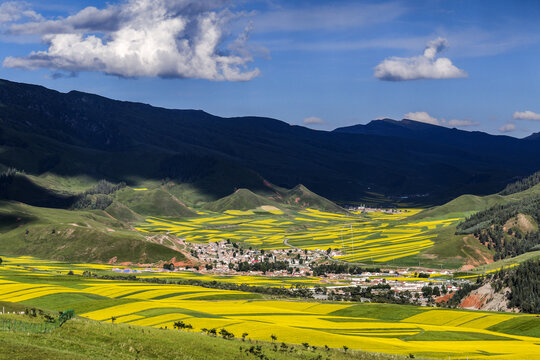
{"x":428,"y":332}
{"x":370,"y":237}
{"x":37,"y":267}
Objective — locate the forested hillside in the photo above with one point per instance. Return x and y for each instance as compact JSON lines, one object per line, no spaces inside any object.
{"x":510,"y":229}
{"x":522,"y":184}
{"x":523,"y":282}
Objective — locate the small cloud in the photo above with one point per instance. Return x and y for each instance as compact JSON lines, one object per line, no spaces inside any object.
{"x":60,"y":75}
{"x":461,"y":123}
{"x":506,"y":128}
{"x":526,"y":115}
{"x":12,"y":11}
{"x":313,"y":121}
{"x":426,"y":66}
{"x":424,"y":117}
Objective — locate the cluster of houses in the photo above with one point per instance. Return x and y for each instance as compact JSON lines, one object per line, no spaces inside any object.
{"x":364,"y":208}
{"x":224,"y":258}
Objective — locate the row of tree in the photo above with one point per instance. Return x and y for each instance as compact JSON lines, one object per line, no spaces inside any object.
{"x":98,"y":196}
{"x":264,"y":266}
{"x":339,"y":268}
{"x":522,"y":184}
{"x":297,"y":291}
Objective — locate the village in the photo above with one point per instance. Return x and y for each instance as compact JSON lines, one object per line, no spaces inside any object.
{"x":224,"y":258}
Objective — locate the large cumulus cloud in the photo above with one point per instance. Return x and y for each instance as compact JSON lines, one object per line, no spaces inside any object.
{"x":156,"y":38}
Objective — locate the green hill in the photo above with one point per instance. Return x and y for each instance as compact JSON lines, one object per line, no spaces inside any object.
{"x":496,"y":227}
{"x":241,"y":199}
{"x":85,"y":236}
{"x":462,"y":204}
{"x":153,"y":202}
{"x":20,"y":187}
{"x":297,"y":198}
{"x":468,"y":204}
{"x":122,"y":213}
{"x":300,"y":196}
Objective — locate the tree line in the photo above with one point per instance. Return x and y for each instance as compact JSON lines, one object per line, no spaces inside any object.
{"x":297,"y":291}
{"x":98,"y":197}
{"x":522,"y":184}
{"x":338,"y":268}
{"x":264,"y":266}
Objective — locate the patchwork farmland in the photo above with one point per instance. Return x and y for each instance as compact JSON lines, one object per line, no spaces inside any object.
{"x":428,"y":332}
{"x":375,"y":237}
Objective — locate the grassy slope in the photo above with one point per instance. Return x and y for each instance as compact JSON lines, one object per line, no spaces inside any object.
{"x":300,"y":196}
{"x":462,"y":205}
{"x":122,"y":213}
{"x":526,"y":326}
{"x":72,"y":235}
{"x":509,"y":261}
{"x":26,"y":189}
{"x":83,"y":339}
{"x":467,"y":204}
{"x":242,"y":199}
{"x":453,"y":250}
{"x":153,"y":202}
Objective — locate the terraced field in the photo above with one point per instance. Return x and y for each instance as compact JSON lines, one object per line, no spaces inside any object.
{"x":372,"y":237}
{"x":428,"y":332}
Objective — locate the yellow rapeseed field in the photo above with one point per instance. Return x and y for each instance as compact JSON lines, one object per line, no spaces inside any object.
{"x":377,"y":237}
{"x":429,"y":332}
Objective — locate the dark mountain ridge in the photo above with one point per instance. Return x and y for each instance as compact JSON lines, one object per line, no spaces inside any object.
{"x":43,"y":130}
{"x":416,"y":130}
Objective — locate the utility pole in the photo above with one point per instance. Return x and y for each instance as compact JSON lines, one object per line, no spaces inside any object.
{"x":352,"y":238}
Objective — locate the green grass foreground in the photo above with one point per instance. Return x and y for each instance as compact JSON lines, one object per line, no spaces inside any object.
{"x":84,"y":339}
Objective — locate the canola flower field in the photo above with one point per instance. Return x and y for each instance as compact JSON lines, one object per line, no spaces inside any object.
{"x":428,"y":332}
{"x":39,"y":267}
{"x":375,"y":237}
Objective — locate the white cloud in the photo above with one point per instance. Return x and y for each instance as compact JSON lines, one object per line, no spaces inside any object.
{"x":12,"y":11}
{"x":313,"y":120}
{"x":526,"y":115}
{"x":424,"y":117}
{"x":426,"y":66}
{"x":155,"y":38}
{"x":507,"y":128}
{"x":460,"y":123}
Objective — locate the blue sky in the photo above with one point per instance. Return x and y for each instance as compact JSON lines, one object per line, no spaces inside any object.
{"x":469,"y":64}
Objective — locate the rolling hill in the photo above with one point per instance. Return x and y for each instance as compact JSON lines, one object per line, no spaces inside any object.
{"x":301,"y":197}
{"x":497,"y":227}
{"x":91,"y":236}
{"x":241,"y":199}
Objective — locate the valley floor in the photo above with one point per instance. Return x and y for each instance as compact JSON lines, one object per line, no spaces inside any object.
{"x":424,"y":332}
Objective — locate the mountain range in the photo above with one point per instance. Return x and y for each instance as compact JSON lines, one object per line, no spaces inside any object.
{"x":50,"y":134}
